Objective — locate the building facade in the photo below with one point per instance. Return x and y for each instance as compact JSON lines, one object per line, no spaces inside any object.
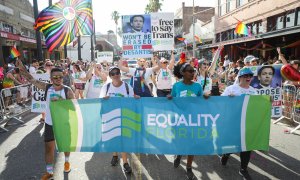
{"x":271,"y":24}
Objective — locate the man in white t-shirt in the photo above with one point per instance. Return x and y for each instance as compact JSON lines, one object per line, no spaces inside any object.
{"x":117,"y":88}
{"x":243,"y":87}
{"x":140,"y":77}
{"x":34,"y":67}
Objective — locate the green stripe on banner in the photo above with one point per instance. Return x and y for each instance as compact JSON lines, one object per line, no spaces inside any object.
{"x":130,"y":124}
{"x":65,"y":125}
{"x":132,"y":115}
{"x":126,"y":132}
{"x":258,"y":123}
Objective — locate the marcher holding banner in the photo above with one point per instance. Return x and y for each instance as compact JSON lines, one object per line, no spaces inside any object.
{"x":117,"y":88}
{"x":243,"y":87}
{"x":185,"y":88}
{"x":54,"y":92}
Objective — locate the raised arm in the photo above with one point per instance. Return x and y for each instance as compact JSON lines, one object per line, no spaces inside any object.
{"x":212,"y":68}
{"x":39,"y":84}
{"x":157,"y":66}
{"x":172,"y":61}
{"x":281,"y":56}
{"x":123,"y":68}
{"x":89,"y":74}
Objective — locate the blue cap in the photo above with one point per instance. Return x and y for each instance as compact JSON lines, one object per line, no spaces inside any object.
{"x":245,"y":71}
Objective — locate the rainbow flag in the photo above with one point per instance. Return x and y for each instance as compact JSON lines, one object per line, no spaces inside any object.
{"x":241,"y":28}
{"x":14,"y":53}
{"x":198,"y":39}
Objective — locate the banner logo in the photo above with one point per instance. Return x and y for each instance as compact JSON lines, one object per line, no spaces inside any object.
{"x":120,"y":122}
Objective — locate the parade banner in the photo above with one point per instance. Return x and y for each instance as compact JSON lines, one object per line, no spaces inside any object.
{"x":162,"y":30}
{"x":136,"y":36}
{"x":38,"y":102}
{"x":267,"y":80}
{"x":105,"y":56}
{"x":184,"y":126}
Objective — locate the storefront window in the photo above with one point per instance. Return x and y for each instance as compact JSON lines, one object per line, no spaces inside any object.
{"x":298,"y":22}
{"x":279,"y":24}
{"x":260,"y":28}
{"x":254,"y":28}
{"x":290,"y":19}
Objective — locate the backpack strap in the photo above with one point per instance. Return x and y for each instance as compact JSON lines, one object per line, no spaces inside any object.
{"x":47,"y":88}
{"x":205,"y":79}
{"x":127,"y":88}
{"x":107,"y":88}
{"x":66,"y":89}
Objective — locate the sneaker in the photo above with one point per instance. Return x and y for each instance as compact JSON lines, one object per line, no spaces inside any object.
{"x":177,"y":161}
{"x":127,"y":168}
{"x":47,"y":176}
{"x":114,"y":160}
{"x":189,"y":173}
{"x":224,"y":159}
{"x":67,"y":167}
{"x":245,"y":174}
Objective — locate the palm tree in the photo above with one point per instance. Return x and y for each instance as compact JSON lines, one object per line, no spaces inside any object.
{"x":153,"y":6}
{"x":115,"y":15}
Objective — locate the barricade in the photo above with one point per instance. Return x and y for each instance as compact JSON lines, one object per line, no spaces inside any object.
{"x":288,"y":97}
{"x":14,"y":102}
{"x":296,"y":111}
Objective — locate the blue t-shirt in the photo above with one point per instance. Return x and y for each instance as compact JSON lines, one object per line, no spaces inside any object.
{"x":183,"y":90}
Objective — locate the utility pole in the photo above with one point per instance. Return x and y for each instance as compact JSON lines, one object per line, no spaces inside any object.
{"x":93,"y":34}
{"x":50,"y":2}
{"x":38,"y":34}
{"x":79,"y":47}
{"x":194,"y":44}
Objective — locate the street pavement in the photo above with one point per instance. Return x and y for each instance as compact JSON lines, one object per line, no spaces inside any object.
{"x":22,"y":157}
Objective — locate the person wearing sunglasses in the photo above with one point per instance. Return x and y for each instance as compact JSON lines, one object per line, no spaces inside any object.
{"x":117,"y":88}
{"x":96,"y":78}
{"x":48,"y":66}
{"x":185,"y":88}
{"x":53,"y":92}
{"x":205,"y":72}
{"x":164,"y":77}
{"x":242,"y":88}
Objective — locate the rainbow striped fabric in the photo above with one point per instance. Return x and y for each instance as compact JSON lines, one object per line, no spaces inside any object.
{"x":159,"y":126}
{"x":241,"y":28}
{"x":14,"y":53}
{"x":63,"y":21}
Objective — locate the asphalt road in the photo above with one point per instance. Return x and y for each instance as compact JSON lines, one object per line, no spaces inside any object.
{"x":22,"y":157}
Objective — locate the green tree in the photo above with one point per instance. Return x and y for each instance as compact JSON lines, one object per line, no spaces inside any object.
{"x":153,"y":6}
{"x":115,"y":15}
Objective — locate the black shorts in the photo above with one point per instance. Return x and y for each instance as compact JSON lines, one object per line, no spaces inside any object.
{"x":48,"y":133}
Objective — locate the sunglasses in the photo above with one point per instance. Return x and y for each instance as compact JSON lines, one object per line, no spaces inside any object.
{"x":165,"y":62}
{"x":206,"y":64}
{"x":114,"y":73}
{"x":56,"y":77}
{"x":190,"y":70}
{"x":49,"y":64}
{"x":247,"y":76}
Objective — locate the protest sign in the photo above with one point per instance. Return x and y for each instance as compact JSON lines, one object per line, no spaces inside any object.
{"x":105,"y":56}
{"x":162,"y":30}
{"x":38,"y":103}
{"x":136,"y":37}
{"x":267,"y":80}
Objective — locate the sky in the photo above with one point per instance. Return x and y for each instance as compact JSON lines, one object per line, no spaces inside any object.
{"x":103,"y":9}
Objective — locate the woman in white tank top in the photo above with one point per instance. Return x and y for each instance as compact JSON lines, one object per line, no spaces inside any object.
{"x":96,"y":81}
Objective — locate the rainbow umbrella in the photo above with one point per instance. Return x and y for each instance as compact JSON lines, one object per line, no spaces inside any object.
{"x":63,"y":21}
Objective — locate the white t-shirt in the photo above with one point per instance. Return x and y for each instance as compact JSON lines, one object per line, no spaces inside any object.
{"x":52,"y":94}
{"x":147,"y":75}
{"x":95,"y":86}
{"x":208,"y":87}
{"x":78,"y":75}
{"x":32,"y":70}
{"x":237,"y":90}
{"x":116,"y":91}
{"x":164,"y":79}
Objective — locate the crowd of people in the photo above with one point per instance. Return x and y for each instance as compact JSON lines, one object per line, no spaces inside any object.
{"x":159,"y":77}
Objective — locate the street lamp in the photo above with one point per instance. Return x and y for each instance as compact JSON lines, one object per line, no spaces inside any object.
{"x":194,"y":44}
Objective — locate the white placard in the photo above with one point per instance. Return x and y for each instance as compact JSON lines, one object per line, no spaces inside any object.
{"x":105,"y":56}
{"x":38,"y":96}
